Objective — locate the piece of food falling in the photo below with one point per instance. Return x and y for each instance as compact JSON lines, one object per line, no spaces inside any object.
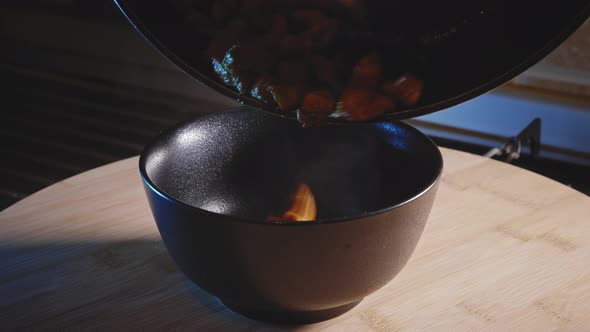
{"x":303,"y":206}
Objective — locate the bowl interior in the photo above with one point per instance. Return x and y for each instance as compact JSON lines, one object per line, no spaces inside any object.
{"x":247,"y":164}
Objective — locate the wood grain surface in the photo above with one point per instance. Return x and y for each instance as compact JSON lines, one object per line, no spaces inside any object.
{"x":503,"y":250}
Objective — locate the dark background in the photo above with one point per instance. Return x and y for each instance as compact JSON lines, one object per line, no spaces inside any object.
{"x":81,"y":89}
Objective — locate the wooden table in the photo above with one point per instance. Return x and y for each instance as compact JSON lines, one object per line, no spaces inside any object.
{"x":504,"y":249}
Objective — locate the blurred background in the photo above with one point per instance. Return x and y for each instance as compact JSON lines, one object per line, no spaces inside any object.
{"x":81,"y":89}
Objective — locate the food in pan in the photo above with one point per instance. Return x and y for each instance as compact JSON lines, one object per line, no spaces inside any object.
{"x":313,"y":58}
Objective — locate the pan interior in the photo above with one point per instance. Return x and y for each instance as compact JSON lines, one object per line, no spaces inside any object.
{"x":246,"y":164}
{"x":460,"y":48}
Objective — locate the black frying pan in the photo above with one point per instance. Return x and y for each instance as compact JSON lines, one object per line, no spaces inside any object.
{"x":461,"y":48}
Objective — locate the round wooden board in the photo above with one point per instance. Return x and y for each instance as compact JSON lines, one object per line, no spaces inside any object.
{"x":504,"y":250}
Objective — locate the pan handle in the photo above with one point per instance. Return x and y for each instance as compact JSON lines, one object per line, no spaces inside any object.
{"x":530,"y":136}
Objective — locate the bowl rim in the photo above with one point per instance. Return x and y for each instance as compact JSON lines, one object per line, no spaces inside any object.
{"x":160,"y":192}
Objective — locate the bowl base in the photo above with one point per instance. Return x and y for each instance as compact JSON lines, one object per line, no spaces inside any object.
{"x":290,"y":317}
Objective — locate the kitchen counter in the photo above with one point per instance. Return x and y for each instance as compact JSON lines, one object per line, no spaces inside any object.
{"x":504,"y":249}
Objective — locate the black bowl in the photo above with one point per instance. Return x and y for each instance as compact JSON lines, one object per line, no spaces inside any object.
{"x":212,"y":183}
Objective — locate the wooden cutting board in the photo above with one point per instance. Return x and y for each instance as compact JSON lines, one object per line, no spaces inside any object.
{"x":504,"y":250}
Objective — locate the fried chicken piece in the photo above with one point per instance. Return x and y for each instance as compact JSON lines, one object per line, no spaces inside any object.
{"x":407,"y":89}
